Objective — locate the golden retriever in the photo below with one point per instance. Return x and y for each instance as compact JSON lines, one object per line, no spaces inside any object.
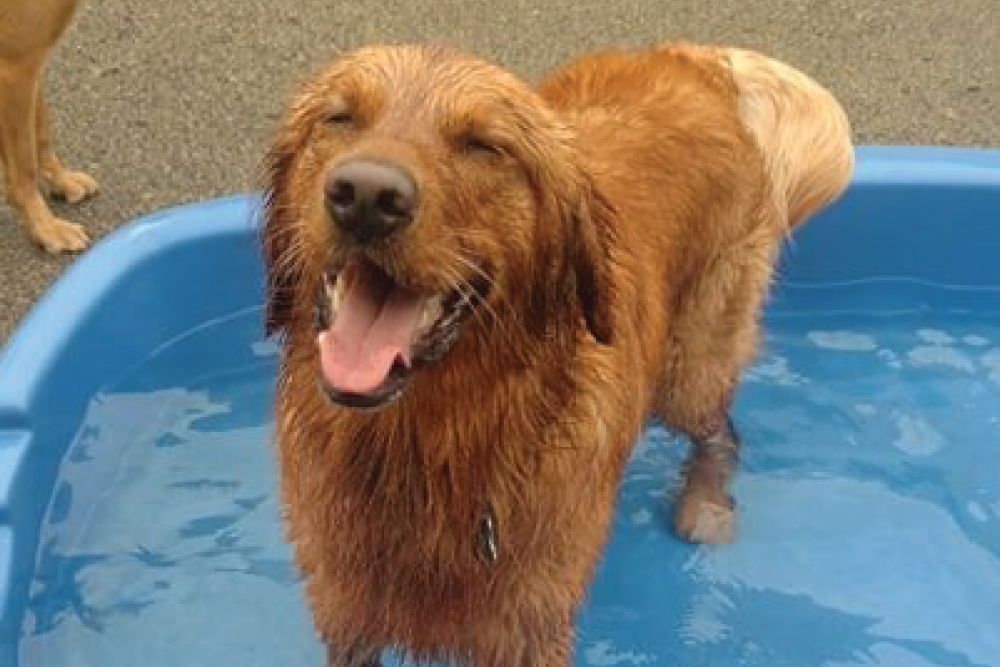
{"x":28,"y":31}
{"x":485,"y":289}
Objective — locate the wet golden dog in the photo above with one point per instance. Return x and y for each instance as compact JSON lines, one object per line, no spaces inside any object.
{"x":28,"y":31}
{"x":484,"y":290}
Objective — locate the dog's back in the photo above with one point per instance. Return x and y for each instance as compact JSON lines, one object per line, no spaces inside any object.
{"x":800,"y":129}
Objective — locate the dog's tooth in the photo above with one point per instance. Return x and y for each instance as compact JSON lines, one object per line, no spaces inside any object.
{"x":431,"y":312}
{"x":336,"y":294}
{"x":427,"y":318}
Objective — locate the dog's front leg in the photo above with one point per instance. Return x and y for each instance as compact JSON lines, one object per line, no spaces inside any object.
{"x":72,"y":186}
{"x":19,"y":151}
{"x":556,"y":650}
{"x":355,"y":657}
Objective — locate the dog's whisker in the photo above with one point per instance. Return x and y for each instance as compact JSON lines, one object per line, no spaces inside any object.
{"x":494,"y":289}
{"x":468,"y":293}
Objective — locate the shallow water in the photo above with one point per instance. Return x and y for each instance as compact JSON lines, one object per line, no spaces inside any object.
{"x":869,"y":497}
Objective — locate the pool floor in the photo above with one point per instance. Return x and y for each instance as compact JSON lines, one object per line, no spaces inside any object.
{"x":868,"y":494}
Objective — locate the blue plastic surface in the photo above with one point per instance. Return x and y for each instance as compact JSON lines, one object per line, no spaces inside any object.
{"x":869,"y":490}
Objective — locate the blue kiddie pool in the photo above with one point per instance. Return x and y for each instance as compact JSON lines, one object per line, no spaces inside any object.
{"x":139,"y":523}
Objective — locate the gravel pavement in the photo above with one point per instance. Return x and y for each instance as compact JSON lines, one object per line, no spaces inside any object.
{"x":173,"y":101}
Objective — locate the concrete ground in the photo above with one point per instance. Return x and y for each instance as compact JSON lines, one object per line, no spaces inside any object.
{"x":173,"y":101}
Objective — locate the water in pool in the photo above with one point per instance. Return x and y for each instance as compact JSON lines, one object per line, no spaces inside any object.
{"x":868,"y":493}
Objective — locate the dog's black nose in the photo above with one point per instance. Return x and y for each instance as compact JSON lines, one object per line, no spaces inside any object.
{"x":370,"y":200}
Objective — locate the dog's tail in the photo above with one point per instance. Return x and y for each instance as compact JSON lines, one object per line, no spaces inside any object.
{"x":801,"y":129}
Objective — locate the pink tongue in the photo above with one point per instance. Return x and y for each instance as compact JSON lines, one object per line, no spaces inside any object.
{"x":372,"y":328}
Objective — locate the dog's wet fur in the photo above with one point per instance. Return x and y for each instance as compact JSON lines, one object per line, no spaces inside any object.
{"x":607,"y":238}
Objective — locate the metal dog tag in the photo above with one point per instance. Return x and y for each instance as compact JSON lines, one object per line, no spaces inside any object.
{"x":486,"y":544}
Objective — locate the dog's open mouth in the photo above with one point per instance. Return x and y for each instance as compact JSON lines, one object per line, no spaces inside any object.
{"x":373,"y":332}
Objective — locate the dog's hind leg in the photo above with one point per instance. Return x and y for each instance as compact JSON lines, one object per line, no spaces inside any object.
{"x":712,"y":336}
{"x":19,"y":152}
{"x":72,"y":186}
{"x":705,"y":512}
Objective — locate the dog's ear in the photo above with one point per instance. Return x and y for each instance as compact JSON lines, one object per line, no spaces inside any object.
{"x":280,"y":276}
{"x":282,"y":272}
{"x":593,"y":226}
{"x":547,"y":147}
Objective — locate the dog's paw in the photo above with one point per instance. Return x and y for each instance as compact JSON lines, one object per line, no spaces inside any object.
{"x":73,"y":186}
{"x":56,"y":235}
{"x":697,"y":519}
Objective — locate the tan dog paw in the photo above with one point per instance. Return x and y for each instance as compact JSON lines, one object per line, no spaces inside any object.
{"x":56,"y":235}
{"x":703,"y":521}
{"x":73,"y":186}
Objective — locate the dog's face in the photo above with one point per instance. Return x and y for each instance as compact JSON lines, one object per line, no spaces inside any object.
{"x":415,"y":194}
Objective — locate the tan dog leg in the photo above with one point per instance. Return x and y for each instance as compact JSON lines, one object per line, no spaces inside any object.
{"x":73,"y":186}
{"x":19,"y":85}
{"x":705,"y":511}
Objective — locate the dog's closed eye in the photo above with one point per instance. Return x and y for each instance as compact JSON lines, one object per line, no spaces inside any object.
{"x":475,"y":144}
{"x":339,"y":117}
